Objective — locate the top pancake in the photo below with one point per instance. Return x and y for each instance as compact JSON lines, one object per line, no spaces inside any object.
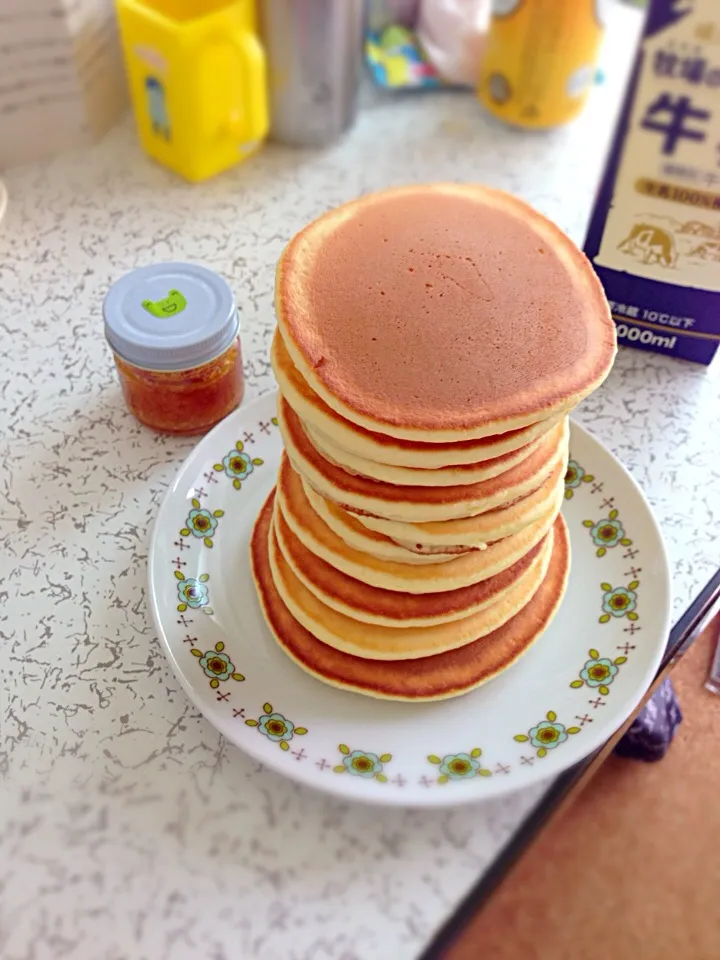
{"x":442,"y":312}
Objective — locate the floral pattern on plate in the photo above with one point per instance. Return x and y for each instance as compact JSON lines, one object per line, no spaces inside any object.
{"x":547,"y":735}
{"x":201,"y":523}
{"x":193,"y":593}
{"x":361,"y":763}
{"x":598,"y":672}
{"x":619,"y":601}
{"x":276,"y":727}
{"x":574,"y":476}
{"x":607,"y":533}
{"x":217,"y":665}
{"x":459,"y":766}
{"x":237,"y":464}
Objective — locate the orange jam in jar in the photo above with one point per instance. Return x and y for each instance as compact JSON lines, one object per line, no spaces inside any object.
{"x":174,"y":332}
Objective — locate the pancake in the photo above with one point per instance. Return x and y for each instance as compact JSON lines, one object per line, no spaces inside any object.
{"x":355,"y":534}
{"x":376,"y":642}
{"x":325,"y":422}
{"x":464,"y":570}
{"x":458,"y":475}
{"x":469,"y":532}
{"x":428,"y":678}
{"x":393,"y":608}
{"x":442,"y":312}
{"x":418,"y":504}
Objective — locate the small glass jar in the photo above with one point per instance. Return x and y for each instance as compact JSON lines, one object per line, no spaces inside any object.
{"x":174,"y":332}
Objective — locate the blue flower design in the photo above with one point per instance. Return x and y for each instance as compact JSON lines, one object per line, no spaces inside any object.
{"x":276,"y":727}
{"x":574,"y":474}
{"x":360,"y":763}
{"x":607,"y":533}
{"x":599,"y":672}
{"x":217,"y":665}
{"x":619,"y":602}
{"x":201,"y":523}
{"x":459,"y":766}
{"x":192,"y":592}
{"x":237,"y":464}
{"x":547,"y":735}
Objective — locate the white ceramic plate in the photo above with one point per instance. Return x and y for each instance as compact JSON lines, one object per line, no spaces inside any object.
{"x":562,"y":700}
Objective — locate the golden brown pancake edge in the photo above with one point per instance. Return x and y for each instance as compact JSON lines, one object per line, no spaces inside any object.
{"x":461,"y":571}
{"x":395,"y":642}
{"x":379,"y":604}
{"x":430,"y":678}
{"x":418,"y":504}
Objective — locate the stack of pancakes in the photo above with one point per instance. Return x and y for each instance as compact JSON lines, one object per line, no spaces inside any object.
{"x":431,"y":341}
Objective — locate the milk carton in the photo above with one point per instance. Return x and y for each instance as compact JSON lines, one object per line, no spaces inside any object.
{"x":654,"y":235}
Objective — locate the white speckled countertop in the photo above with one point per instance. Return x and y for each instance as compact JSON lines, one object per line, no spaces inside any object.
{"x":128,"y":829}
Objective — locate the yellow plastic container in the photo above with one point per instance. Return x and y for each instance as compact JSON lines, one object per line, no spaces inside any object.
{"x":539,"y":62}
{"x":197,"y":81}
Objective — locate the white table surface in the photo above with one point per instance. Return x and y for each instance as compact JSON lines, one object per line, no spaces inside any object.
{"x":128,"y":828}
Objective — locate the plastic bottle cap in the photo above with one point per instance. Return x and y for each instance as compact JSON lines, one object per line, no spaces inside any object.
{"x":170,"y":316}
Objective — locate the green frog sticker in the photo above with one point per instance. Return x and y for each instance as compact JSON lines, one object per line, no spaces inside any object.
{"x":174,"y":303}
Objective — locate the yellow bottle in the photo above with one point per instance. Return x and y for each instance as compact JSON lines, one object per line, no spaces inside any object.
{"x":539,"y":62}
{"x":197,"y":81}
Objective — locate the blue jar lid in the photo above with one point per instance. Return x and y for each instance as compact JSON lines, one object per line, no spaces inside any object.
{"x":170,"y":316}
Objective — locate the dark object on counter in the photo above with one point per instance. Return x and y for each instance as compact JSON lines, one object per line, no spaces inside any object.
{"x":315,"y":54}
{"x":174,"y":332}
{"x":653,"y":729}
